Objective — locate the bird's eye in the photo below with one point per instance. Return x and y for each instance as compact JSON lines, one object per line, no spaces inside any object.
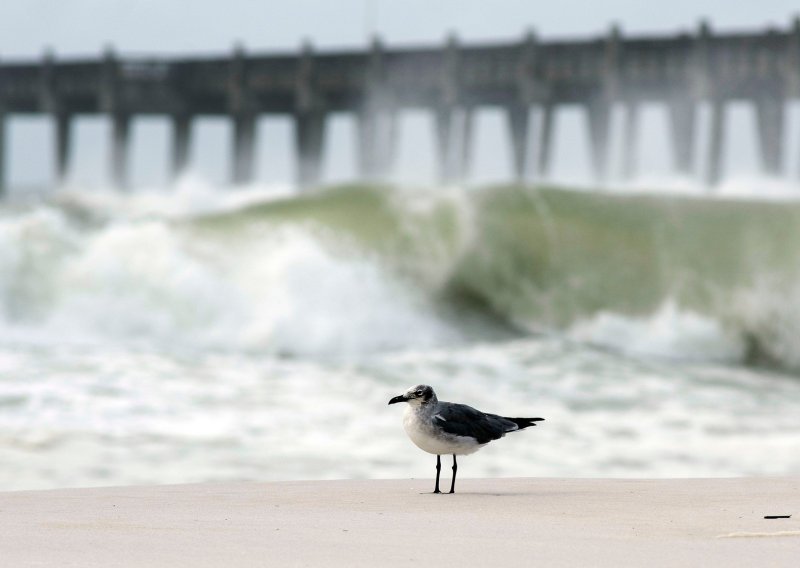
{"x":418,"y":393}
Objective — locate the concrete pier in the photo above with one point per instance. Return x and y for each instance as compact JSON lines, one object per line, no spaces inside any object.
{"x":452,"y":81}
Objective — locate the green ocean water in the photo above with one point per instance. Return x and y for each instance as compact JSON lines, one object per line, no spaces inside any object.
{"x":545,"y":258}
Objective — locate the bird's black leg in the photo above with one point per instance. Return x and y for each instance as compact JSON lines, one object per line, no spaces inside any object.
{"x":438,"y":470}
{"x":455,"y":469}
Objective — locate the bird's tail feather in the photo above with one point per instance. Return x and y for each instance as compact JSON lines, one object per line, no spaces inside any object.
{"x":523,"y":423}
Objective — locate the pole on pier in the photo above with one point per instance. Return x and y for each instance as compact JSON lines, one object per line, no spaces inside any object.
{"x":704,"y":86}
{"x":120,"y":142}
{"x":241,"y":107}
{"x":701,"y":70}
{"x":453,"y":119}
{"x":47,"y":80}
{"x":713,"y":173}
{"x":519,"y":113}
{"x":528,"y":87}
{"x":181,"y":143}
{"x":377,"y":119}
{"x":599,"y":107}
{"x":630,"y":153}
{"x":63,"y":128}
{"x":112,"y":103}
{"x":682,"y":121}
{"x":545,"y":144}
{"x":309,"y":120}
{"x":792,"y":62}
{"x":519,"y":126}
{"x":599,"y":114}
{"x":770,"y":118}
{"x":62,"y":120}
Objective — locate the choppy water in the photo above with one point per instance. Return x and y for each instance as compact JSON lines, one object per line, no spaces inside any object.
{"x":209,"y":336}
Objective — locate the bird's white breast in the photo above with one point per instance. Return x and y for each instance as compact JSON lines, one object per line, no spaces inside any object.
{"x":420,"y":429}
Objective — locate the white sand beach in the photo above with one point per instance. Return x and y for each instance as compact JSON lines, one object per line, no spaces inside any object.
{"x":509,"y":522}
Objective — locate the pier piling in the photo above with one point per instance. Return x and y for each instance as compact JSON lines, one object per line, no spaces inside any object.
{"x":3,"y":181}
{"x":599,"y":115}
{"x":244,"y":144}
{"x":545,"y":145}
{"x":309,"y":137}
{"x":181,"y":143}
{"x":682,"y":114}
{"x":519,"y":127}
{"x":120,"y":142}
{"x":454,"y":143}
{"x":630,"y":151}
{"x":770,"y":120}
{"x":63,"y":150}
{"x":716,"y":135}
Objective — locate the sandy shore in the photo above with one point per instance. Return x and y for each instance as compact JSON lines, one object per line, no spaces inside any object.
{"x":509,"y":522}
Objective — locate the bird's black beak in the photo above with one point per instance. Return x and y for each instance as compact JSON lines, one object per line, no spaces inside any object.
{"x":401,"y":398}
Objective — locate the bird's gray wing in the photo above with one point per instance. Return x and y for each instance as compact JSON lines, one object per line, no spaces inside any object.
{"x":463,"y":420}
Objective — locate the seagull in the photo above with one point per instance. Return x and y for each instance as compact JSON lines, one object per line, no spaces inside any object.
{"x":447,"y":428}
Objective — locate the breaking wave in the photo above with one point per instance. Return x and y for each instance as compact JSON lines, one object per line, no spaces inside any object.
{"x":360,"y":269}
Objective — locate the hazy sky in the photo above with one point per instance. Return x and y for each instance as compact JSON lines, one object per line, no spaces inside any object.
{"x":73,"y":27}
{"x":81,"y":26}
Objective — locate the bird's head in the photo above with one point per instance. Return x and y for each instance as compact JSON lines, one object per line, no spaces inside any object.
{"x":416,"y":396}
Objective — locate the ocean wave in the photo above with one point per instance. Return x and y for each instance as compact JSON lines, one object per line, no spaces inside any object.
{"x":360,"y":269}
{"x":669,"y":333}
